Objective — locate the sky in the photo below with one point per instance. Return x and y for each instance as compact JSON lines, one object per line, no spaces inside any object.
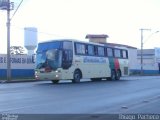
{"x":121,"y":20}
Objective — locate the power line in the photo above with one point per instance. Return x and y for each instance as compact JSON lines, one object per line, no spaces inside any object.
{"x":40,"y":32}
{"x":16,"y":10}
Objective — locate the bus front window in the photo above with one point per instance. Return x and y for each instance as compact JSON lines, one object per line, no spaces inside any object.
{"x":49,"y":59}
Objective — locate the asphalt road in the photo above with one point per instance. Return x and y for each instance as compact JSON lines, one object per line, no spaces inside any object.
{"x":129,"y":95}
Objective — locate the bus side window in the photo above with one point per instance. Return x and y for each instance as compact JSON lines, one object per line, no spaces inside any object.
{"x":117,"y":53}
{"x":80,"y":48}
{"x":90,"y":50}
{"x":110,"y":52}
{"x":100,"y":51}
{"x":125,"y":54}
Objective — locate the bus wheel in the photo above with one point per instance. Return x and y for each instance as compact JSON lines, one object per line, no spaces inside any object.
{"x":118,"y":75}
{"x":113,"y":75}
{"x":55,"y":81}
{"x":77,"y":76}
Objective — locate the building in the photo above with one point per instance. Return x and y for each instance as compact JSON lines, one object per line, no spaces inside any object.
{"x":151,"y":61}
{"x":98,"y":38}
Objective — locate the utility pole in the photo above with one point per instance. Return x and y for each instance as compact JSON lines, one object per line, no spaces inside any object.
{"x":8,"y":43}
{"x":8,"y":6}
{"x":142,"y":49}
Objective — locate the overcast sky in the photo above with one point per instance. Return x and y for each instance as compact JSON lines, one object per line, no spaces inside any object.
{"x":119,"y":19}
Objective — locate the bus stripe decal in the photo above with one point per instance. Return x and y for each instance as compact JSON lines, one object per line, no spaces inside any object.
{"x":111,"y":63}
{"x":114,"y":63}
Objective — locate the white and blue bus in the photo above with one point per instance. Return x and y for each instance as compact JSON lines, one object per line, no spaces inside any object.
{"x":74,"y":60}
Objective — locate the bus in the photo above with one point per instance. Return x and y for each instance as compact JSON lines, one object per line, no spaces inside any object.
{"x":74,"y":60}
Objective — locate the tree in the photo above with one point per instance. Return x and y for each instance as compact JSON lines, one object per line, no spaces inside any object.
{"x":17,"y":50}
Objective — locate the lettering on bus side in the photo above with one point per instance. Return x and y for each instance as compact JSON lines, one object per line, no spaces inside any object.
{"x":94,"y":60}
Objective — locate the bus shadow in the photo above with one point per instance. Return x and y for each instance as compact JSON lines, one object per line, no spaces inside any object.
{"x":82,"y":82}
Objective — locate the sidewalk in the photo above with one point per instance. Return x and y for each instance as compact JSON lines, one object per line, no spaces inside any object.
{"x":139,"y":77}
{"x":18,"y":80}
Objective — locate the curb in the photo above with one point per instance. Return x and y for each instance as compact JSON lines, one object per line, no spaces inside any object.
{"x":17,"y":81}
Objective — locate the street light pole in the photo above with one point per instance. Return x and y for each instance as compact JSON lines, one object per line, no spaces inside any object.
{"x":142,"y":49}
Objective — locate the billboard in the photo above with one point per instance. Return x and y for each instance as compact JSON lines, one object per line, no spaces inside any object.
{"x":18,"y":61}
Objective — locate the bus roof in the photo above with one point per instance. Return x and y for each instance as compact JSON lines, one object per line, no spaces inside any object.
{"x":114,"y":45}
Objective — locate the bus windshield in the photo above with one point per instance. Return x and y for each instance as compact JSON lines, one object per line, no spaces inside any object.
{"x":51,"y":58}
{"x":49,"y":55}
{"x":49,"y":45}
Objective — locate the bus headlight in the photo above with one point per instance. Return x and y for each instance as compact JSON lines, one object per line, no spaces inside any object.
{"x":36,"y":77}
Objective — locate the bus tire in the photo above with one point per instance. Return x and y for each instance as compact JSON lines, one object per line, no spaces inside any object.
{"x":113,"y":75}
{"x":118,"y":75}
{"x":77,"y":76}
{"x":55,"y":81}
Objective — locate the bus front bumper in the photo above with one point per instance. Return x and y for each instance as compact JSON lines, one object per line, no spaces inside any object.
{"x":56,"y":75}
